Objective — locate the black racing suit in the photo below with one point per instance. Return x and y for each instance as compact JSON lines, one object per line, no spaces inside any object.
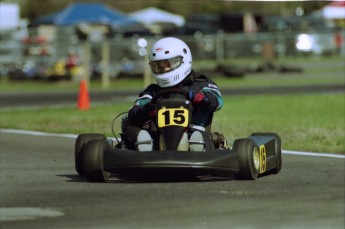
{"x":202,"y":114}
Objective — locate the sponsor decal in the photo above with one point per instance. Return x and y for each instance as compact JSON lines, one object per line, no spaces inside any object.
{"x":188,"y":71}
{"x":165,"y":81}
{"x":159,"y":49}
{"x":262,"y":151}
{"x":212,"y":86}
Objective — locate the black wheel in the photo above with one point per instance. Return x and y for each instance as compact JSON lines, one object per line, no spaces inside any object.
{"x":249,"y":159}
{"x":93,"y":160}
{"x":278,"y":155}
{"x":80,"y":147}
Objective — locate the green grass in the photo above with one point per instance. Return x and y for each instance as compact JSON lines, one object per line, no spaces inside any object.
{"x":310,"y":122}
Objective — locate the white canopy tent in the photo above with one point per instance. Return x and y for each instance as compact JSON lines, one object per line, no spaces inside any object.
{"x":151,"y":15}
{"x":335,"y":10}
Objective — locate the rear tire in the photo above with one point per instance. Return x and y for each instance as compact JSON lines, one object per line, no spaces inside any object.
{"x":80,"y":148}
{"x":278,"y":155}
{"x":93,"y":160}
{"x":248,"y":154}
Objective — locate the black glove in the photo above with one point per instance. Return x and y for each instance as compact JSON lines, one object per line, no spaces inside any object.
{"x":150,"y":109}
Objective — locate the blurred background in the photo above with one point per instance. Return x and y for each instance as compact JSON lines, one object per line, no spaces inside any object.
{"x":72,"y":40}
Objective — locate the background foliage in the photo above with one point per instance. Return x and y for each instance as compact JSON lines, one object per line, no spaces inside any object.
{"x":32,"y":9}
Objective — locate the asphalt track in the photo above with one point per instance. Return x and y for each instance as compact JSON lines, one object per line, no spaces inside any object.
{"x":41,"y":189}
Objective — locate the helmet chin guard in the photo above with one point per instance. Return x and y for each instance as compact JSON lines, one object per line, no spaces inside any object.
{"x":170,"y":61}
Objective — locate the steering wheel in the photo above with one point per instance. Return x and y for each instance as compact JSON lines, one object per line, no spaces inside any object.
{"x":166,"y":92}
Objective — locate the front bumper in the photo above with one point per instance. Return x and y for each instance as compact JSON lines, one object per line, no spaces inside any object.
{"x":215,"y":162}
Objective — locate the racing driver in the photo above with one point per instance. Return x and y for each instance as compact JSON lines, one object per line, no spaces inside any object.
{"x":170,"y":61}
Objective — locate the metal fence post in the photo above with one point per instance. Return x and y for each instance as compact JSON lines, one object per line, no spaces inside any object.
{"x":267,"y":51}
{"x":220,"y":46}
{"x":86,"y":61}
{"x":105,"y":63}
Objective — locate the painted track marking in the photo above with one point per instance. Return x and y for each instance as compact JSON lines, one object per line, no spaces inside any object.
{"x":27,"y":213}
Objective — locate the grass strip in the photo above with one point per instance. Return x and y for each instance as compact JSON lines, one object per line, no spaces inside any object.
{"x":308,"y":122}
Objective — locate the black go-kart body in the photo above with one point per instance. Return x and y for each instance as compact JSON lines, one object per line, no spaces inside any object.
{"x":97,"y":157}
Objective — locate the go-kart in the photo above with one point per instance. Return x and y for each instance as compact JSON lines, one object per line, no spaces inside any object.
{"x":98,"y":157}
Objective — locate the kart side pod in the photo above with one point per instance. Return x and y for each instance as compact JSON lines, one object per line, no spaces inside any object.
{"x":259,"y":154}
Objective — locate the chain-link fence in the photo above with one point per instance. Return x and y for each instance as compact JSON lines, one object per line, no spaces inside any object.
{"x":122,"y":54}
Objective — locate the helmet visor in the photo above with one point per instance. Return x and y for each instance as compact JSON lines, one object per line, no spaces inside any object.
{"x":163,"y":66}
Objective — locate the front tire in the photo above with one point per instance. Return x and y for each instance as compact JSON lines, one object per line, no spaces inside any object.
{"x":278,"y":155}
{"x":249,"y":162}
{"x":93,"y":160}
{"x":80,"y":144}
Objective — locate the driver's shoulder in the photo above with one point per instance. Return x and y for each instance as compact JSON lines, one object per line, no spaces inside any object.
{"x":151,"y":90}
{"x":200,"y":77}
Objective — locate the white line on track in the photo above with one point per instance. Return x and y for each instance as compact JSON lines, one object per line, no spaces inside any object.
{"x":313,"y":154}
{"x":27,"y":213}
{"x":39,"y":133}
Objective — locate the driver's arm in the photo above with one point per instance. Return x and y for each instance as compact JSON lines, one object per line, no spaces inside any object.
{"x":208,"y":95}
{"x":143,"y":109}
{"x":214,"y":98}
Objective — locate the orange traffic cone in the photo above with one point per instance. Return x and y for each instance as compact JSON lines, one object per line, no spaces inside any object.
{"x":83,"y":97}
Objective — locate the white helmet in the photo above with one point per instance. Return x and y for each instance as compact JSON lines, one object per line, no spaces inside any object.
{"x":170,"y":61}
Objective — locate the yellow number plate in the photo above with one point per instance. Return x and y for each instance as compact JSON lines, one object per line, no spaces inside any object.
{"x":173,"y":117}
